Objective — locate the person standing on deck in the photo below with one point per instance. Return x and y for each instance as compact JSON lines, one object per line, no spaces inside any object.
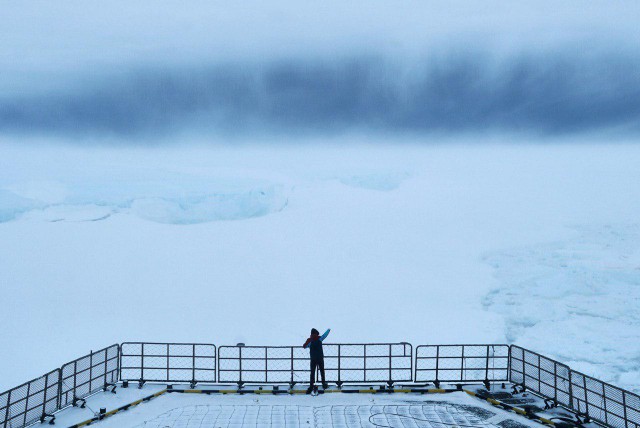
{"x":314,"y":343}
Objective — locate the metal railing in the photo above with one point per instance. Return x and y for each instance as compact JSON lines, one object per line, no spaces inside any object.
{"x":262,"y":364}
{"x":603,"y":402}
{"x":344,"y":363}
{"x":540,"y":374}
{"x":30,"y":402}
{"x":168,"y":362}
{"x":38,"y":400}
{"x":372,"y":362}
{"x":89,"y":374}
{"x":462,"y":363}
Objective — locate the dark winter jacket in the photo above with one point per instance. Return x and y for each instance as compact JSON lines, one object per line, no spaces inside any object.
{"x":314,"y":343}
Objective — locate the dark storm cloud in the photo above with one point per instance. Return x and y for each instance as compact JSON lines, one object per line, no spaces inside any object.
{"x":562,"y":92}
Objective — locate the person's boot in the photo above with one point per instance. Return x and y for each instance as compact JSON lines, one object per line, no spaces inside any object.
{"x":325,"y":385}
{"x":309,"y":389}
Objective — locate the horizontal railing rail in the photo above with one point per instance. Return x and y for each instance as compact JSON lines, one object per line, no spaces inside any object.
{"x":343,"y":363}
{"x":462,"y":363}
{"x":89,"y":374}
{"x":168,"y":362}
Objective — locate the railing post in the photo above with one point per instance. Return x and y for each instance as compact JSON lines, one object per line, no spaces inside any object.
{"x":75,"y":381}
{"x":540,"y":374}
{"x":365,"y":363}
{"x":168,"y":351}
{"x":240,"y":364}
{"x":524,"y":368}
{"x":437,"y":364}
{"x":59,"y":390}
{"x":142,"y":363}
{"x":105,"y":366}
{"x":604,"y":401}
{"x":555,"y":382}
{"x":624,"y":407}
{"x":118,"y":362}
{"x":7,"y":412}
{"x":570,"y":374}
{"x":486,"y":372}
{"x":291,"y":382}
{"x":46,"y":389}
{"x":462,"y":365}
{"x":193,"y":364}
{"x":266,"y":365}
{"x":414,"y":370}
{"x":509,"y":377}
{"x":410,"y":359}
{"x":586,"y":394}
{"x":339,"y":364}
{"x":26,"y":405}
{"x":90,"y":370}
{"x":390,"y":375}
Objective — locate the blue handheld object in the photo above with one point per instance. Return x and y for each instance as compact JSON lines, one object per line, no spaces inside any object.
{"x":324,"y":336}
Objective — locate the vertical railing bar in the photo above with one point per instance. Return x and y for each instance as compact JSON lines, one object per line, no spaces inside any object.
{"x":193,"y":363}
{"x":142,"y":363}
{"x":118,"y":363}
{"x":390,"y":375}
{"x":168,"y":363}
{"x":509,"y":377}
{"x":90,"y":371}
{"x":240,"y":364}
{"x":570,"y":375}
{"x":486,"y":371}
{"x":59,"y":389}
{"x":604,"y":401}
{"x":365,"y":363}
{"x":524,"y":367}
{"x":26,"y":405}
{"x":75,"y":381}
{"x":46,"y":387}
{"x":462,"y":365}
{"x":7,"y":412}
{"x":339,"y":362}
{"x":539,"y":374}
{"x":292,"y":367}
{"x":411,"y":359}
{"x":624,"y":409}
{"x":266,"y":366}
{"x":579,"y":403}
{"x":586,"y":394}
{"x":437,"y":361}
{"x":218,"y":359}
{"x":105,"y":367}
{"x":555,"y":381}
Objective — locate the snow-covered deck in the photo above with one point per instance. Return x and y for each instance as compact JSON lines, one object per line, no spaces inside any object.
{"x":337,"y":409}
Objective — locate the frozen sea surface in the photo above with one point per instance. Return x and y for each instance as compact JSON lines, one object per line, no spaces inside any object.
{"x":533,"y":244}
{"x":578,"y":299}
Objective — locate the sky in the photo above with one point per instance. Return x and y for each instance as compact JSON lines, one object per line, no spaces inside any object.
{"x":151,"y":70}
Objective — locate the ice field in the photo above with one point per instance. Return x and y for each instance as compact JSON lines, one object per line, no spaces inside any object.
{"x":459,"y":243}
